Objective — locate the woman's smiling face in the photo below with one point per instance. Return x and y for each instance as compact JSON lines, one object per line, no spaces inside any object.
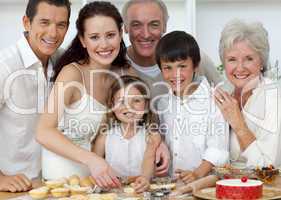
{"x":102,"y":40}
{"x":242,"y":64}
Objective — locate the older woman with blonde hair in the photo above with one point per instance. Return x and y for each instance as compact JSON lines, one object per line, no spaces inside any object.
{"x":252,"y":109}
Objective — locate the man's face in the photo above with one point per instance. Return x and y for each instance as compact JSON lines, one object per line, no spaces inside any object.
{"x":145,"y":25}
{"x":47,"y":30}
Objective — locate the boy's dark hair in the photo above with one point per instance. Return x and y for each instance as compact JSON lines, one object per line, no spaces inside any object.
{"x":176,"y":46}
{"x":31,"y":8}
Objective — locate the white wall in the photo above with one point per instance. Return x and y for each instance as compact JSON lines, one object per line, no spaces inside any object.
{"x":210,"y":15}
{"x":11,"y":13}
{"x":11,"y":27}
{"x":213,"y":15}
{"x":177,"y":19}
{"x":10,"y":23}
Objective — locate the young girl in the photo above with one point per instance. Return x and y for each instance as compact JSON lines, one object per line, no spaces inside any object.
{"x":128,"y":145}
{"x":196,"y":133}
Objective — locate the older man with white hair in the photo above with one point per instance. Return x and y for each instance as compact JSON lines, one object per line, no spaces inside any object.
{"x":146,"y":22}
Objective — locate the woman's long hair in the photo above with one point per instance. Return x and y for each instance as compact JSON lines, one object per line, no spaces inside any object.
{"x":76,"y":52}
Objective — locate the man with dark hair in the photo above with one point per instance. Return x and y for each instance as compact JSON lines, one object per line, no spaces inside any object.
{"x":31,"y":8}
{"x":25,"y":72}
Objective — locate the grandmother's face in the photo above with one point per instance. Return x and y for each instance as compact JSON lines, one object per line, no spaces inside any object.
{"x":242,"y":64}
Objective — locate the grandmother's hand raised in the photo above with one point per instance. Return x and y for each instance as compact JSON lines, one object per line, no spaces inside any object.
{"x":230,"y":109}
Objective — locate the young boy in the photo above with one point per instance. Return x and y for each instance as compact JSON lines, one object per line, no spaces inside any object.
{"x":195,"y":130}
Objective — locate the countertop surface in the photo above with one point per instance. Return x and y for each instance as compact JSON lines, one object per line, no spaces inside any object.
{"x":37,"y":183}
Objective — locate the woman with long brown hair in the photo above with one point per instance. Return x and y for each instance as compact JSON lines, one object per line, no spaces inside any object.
{"x":77,"y":102}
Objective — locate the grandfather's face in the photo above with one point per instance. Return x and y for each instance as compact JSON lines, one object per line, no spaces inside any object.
{"x":242,"y":64}
{"x":145,"y":26}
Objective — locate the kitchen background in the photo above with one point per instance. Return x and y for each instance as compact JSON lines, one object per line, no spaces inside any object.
{"x":203,"y":18}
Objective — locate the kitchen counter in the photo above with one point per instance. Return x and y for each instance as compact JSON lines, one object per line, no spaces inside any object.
{"x":37,"y":183}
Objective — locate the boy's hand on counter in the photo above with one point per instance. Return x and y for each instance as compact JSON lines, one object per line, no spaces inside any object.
{"x":186,"y":176}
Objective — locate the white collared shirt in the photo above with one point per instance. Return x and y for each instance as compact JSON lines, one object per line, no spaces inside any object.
{"x":195,"y":128}
{"x":262,"y":113}
{"x":22,"y":97}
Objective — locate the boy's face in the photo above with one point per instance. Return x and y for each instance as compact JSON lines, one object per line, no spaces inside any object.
{"x":178,"y":75}
{"x":47,"y":30}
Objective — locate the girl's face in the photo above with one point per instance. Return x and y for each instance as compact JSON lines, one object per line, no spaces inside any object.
{"x":242,"y":64}
{"x":178,"y":75}
{"x":102,"y":40}
{"x":129,"y":105}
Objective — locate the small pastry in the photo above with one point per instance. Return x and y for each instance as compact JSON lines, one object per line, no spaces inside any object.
{"x":60,"y":192}
{"x":79,"y":197}
{"x":73,"y":180}
{"x":92,"y":180}
{"x":55,"y":183}
{"x":109,"y":196}
{"x":129,"y":190}
{"x":64,"y":198}
{"x":86,"y":182}
{"x":39,"y":193}
{"x":79,"y":190}
{"x":94,"y":196}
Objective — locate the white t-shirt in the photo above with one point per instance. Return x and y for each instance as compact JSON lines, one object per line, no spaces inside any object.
{"x":151,"y":71}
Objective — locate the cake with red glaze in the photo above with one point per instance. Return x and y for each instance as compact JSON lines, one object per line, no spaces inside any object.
{"x":239,"y":189}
